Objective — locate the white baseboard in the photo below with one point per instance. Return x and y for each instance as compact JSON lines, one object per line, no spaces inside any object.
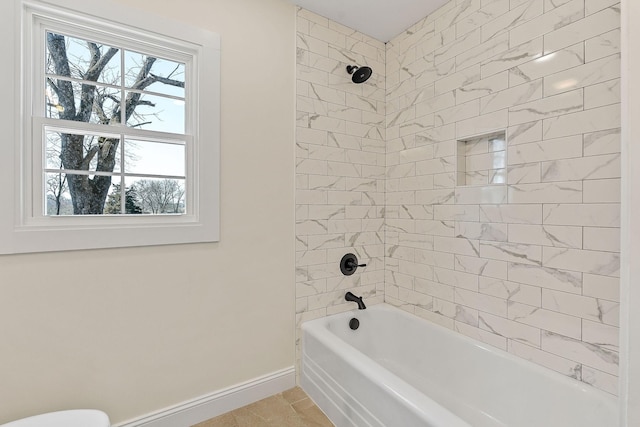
{"x":217,"y":403}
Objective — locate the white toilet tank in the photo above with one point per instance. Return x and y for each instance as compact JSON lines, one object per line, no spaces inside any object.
{"x":73,"y":418}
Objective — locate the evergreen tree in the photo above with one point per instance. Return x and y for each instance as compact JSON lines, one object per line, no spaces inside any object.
{"x":112,"y":205}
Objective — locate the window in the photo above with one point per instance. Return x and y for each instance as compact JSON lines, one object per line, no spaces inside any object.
{"x":112,"y":122}
{"x":120,"y":130}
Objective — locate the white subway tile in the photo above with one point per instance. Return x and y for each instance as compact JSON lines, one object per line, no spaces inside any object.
{"x":588,"y":354}
{"x":456,"y":80}
{"x":440,"y":134}
{"x":481,"y":335}
{"x":511,"y":252}
{"x":550,"y":106}
{"x":485,"y":161}
{"x":549,"y":278}
{"x":309,"y":166}
{"x":458,"y":312}
{"x":552,"y":149}
{"x":434,"y":289}
{"x":600,"y":334}
{"x":455,"y":48}
{"x":548,"y":64}
{"x":546,"y":235}
{"x":310,"y":227}
{"x":584,"y":168}
{"x":526,"y":132}
{"x":456,"y":245}
{"x":437,"y":259}
{"x":312,"y":44}
{"x":417,"y":241}
{"x":459,"y":112}
{"x":481,"y":231}
{"x":593,"y":120}
{"x":432,"y":166}
{"x":312,"y":17}
{"x":344,"y":169}
{"x":517,"y":16}
{"x":559,"y":364}
{"x":597,"y":23}
{"x":324,"y":182}
{"x":498,"y":120}
{"x":556,"y":192}
{"x":482,"y":87}
{"x":603,"y":287}
{"x":344,"y":198}
{"x":591,"y":73}
{"x":601,"y":311}
{"x":311,"y":136}
{"x":457,"y":279}
{"x":324,"y":33}
{"x":602,"y":239}
{"x":417,"y":299}
{"x":523,"y":174}
{"x":593,"y":6}
{"x":491,"y":194}
{"x":327,"y":123}
{"x":461,"y":11}
{"x":456,"y":212}
{"x":322,"y":152}
{"x":480,"y":266}
{"x":513,"y":57}
{"x":314,"y":287}
{"x":602,"y":45}
{"x":481,"y":302}
{"x":552,"y":4}
{"x":602,"y":94}
{"x":304,"y":258}
{"x":603,"y":142}
{"x":512,"y":213}
{"x":587,"y":215}
{"x":437,"y":103}
{"x":552,"y":20}
{"x":414,"y":212}
{"x":600,"y":380}
{"x":594,"y":262}
{"x":326,"y":241}
{"x":511,"y":291}
{"x":546,"y":319}
{"x":510,"y":329}
{"x":435,"y":318}
{"x":435,"y":228}
{"x":511,"y":97}
{"x":487,"y":13}
{"x":484,"y":51}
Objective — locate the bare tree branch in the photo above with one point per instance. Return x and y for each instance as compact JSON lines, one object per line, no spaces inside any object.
{"x":167,"y":81}
{"x":90,"y":155}
{"x":58,"y":51}
{"x":141,"y":124}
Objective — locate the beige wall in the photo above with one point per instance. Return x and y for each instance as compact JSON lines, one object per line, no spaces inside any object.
{"x":131,"y":331}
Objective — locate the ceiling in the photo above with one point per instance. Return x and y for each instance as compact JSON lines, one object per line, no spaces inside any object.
{"x":380,"y":19}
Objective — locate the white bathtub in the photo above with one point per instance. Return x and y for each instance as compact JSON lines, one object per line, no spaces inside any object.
{"x":398,"y":370}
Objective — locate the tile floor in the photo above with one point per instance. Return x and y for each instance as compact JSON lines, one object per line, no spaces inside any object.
{"x":292,"y":408}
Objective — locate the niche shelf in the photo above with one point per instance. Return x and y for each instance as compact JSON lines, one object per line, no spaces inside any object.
{"x":482,"y":160}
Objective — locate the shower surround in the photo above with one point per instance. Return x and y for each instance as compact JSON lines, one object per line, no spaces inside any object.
{"x":527,"y":261}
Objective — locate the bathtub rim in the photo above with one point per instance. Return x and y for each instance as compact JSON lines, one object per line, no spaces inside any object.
{"x":319,"y":327}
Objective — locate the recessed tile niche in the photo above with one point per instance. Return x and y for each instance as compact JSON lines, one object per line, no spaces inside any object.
{"x":482,"y":160}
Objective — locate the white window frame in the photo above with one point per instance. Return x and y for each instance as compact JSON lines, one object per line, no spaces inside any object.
{"x":28,"y":229}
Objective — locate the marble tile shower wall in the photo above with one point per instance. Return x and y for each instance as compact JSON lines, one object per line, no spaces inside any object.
{"x":530,"y":266}
{"x":340,"y":167}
